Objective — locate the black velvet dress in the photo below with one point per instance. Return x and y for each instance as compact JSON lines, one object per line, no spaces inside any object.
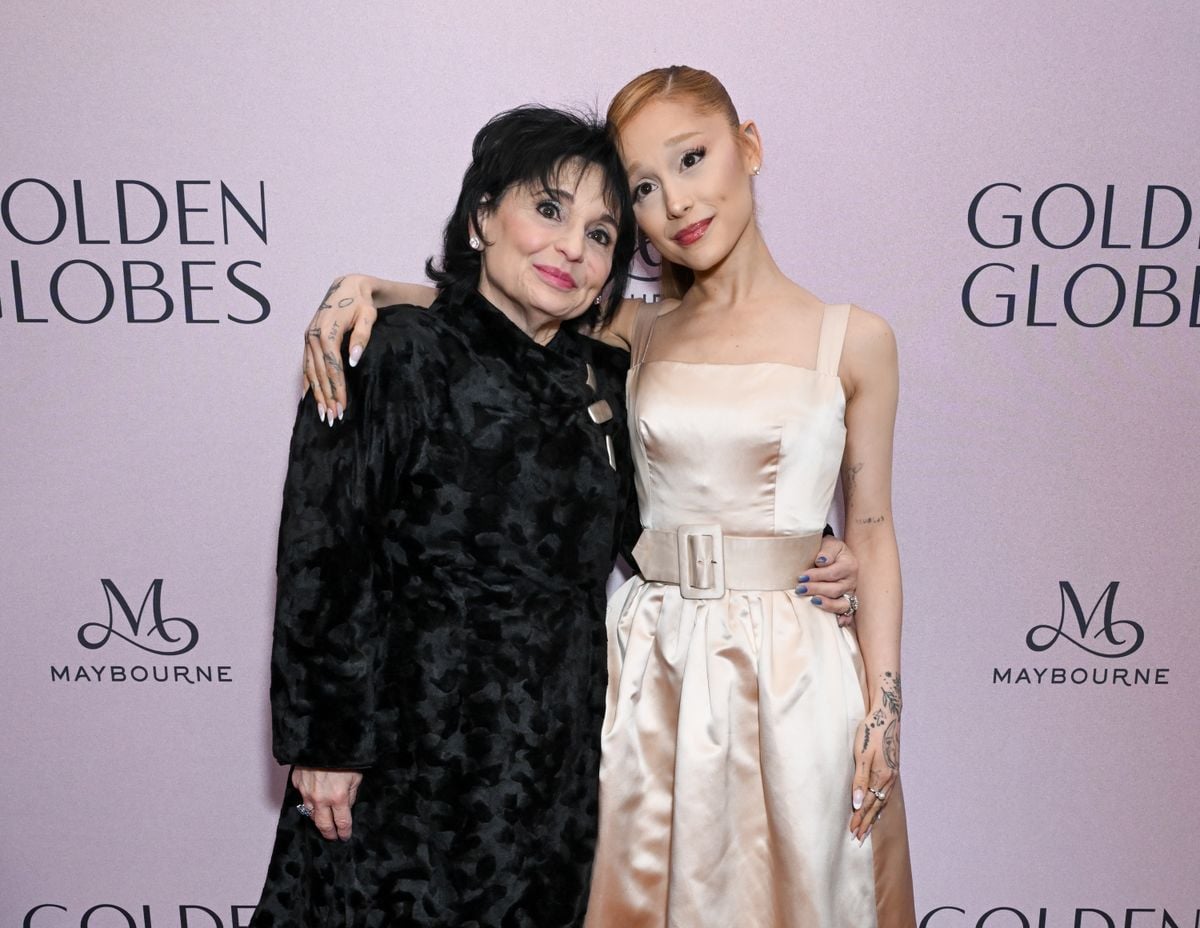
{"x":443,"y":553}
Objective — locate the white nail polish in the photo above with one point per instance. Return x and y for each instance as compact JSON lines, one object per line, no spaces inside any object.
{"x":320,"y":412}
{"x":858,"y":799}
{"x":341,"y":412}
{"x":355,"y":354}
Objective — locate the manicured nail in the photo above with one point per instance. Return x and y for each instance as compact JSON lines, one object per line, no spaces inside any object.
{"x":355,"y":354}
{"x":821,"y":559}
{"x":320,"y":412}
{"x":341,"y":412}
{"x":801,"y":589}
{"x":858,"y":798}
{"x":331,"y":418}
{"x":816,"y":600}
{"x":804,"y":579}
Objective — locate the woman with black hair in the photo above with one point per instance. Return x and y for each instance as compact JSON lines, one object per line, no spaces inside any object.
{"x":438,"y":667}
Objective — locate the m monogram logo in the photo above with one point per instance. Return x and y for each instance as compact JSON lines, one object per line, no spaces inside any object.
{"x":1112,"y":638}
{"x":153,"y":633}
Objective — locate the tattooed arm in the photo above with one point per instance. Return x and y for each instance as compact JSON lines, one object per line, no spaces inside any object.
{"x":349,"y":307}
{"x":870,"y":372}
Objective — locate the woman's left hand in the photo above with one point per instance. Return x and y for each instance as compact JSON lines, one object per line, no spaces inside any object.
{"x":876,"y":766}
{"x":834,"y":574}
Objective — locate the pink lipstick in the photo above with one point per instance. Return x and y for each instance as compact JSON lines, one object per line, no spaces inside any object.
{"x":554,"y":277}
{"x":693,"y":233}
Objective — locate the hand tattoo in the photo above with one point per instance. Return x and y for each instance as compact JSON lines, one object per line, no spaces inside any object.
{"x":345,"y":301}
{"x":328,"y":293}
{"x":891,"y":744}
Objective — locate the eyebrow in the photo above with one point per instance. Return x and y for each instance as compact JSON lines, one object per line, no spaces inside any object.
{"x":636,"y":166}
{"x":559,"y":194}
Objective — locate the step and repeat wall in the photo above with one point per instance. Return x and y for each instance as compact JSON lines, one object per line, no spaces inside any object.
{"x":1014,"y":186}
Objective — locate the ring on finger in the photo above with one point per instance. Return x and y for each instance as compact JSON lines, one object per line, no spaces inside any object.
{"x":877,"y":793}
{"x":852,"y":600}
{"x":304,"y":809}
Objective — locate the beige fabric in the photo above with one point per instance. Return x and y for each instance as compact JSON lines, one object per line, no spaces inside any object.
{"x":703,"y":558}
{"x":727,"y":767}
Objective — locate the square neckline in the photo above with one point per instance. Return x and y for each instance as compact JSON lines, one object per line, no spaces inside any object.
{"x":830,"y":340}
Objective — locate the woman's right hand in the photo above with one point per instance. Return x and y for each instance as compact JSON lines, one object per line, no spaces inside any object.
{"x":348,"y":307}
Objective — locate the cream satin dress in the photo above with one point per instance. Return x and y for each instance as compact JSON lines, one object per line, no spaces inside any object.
{"x":727,"y":744}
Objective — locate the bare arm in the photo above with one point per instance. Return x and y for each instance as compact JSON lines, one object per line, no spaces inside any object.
{"x":348,"y":308}
{"x":870,"y":370}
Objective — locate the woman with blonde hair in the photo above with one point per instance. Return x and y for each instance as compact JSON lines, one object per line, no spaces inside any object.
{"x":750,"y":744}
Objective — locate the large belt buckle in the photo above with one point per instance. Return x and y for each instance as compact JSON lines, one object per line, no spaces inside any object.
{"x":701,"y":561}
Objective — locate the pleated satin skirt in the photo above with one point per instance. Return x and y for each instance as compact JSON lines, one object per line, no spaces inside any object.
{"x":727,"y":770}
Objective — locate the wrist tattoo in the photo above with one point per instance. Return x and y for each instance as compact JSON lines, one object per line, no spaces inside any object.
{"x":887,"y":717}
{"x":893,"y":701}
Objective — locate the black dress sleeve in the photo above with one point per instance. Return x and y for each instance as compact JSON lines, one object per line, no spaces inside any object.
{"x":333,"y":580}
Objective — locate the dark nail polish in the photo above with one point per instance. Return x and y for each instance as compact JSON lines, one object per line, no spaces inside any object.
{"x":803,"y":579}
{"x":816,"y":600}
{"x":821,"y":559}
{"x":801,"y":589}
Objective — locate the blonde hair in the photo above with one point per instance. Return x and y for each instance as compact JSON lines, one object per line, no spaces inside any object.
{"x":706,"y":93}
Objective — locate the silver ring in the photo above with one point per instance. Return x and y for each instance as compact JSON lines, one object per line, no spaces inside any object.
{"x":306,"y":810}
{"x":877,"y":793}
{"x":853,"y":601}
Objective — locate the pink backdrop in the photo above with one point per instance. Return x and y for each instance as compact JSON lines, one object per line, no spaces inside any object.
{"x":1034,"y":461}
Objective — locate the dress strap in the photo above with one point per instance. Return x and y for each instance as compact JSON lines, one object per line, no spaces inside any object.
{"x":833,"y":335}
{"x":643,"y":327}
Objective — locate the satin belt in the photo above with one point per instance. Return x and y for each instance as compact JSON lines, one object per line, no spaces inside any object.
{"x":706,"y":562}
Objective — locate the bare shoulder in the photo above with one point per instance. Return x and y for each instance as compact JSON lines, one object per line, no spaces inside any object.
{"x":868,"y":335}
{"x":618,"y":331}
{"x":869,"y":354}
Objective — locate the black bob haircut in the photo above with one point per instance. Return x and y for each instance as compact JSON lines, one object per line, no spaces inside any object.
{"x":530,"y":146}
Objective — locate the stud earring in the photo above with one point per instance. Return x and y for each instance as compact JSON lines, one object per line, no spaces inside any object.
{"x":757,"y":168}
{"x":475,"y":243}
{"x":596,"y":302}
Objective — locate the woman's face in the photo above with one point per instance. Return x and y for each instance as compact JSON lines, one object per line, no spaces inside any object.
{"x":689,"y":171}
{"x":548,"y":252}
